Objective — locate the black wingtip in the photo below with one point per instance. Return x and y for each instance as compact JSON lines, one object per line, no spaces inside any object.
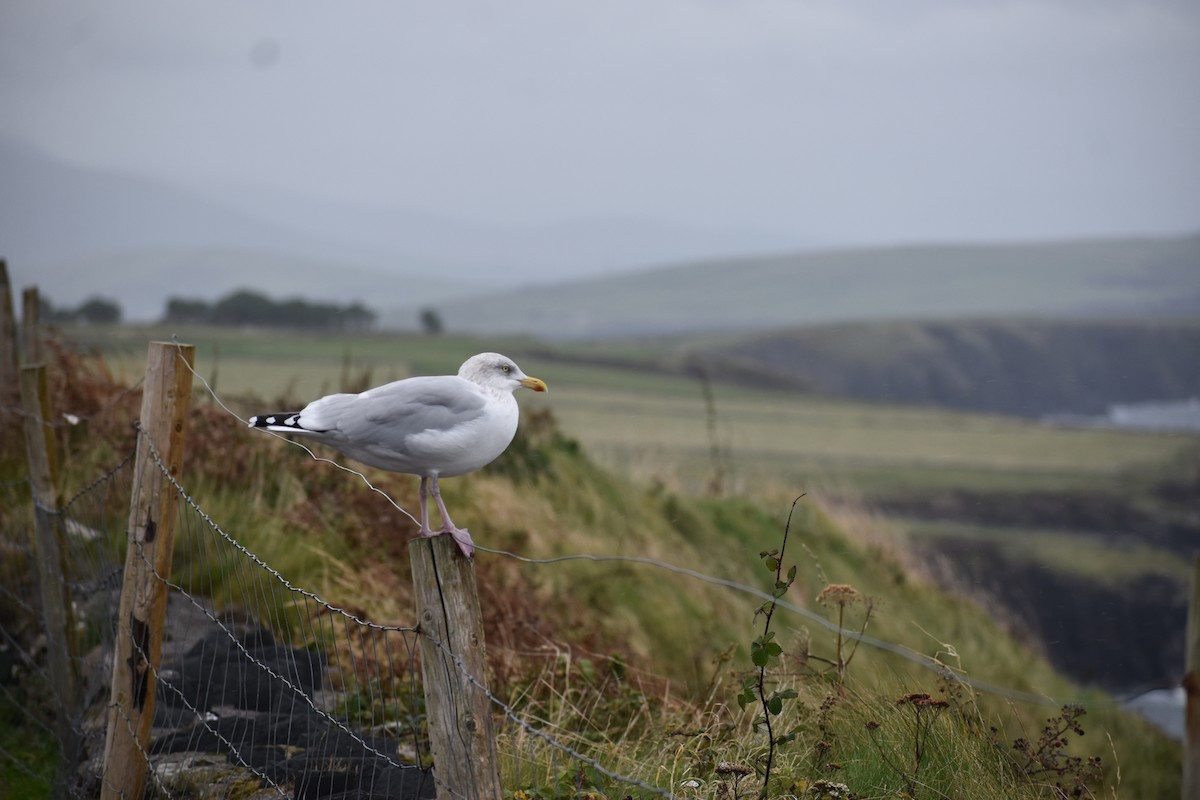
{"x":287,"y":419}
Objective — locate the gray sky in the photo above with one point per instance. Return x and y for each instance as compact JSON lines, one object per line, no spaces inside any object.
{"x":828,"y":120}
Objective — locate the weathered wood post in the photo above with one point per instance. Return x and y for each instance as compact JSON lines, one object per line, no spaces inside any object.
{"x":461,"y":735}
{"x":31,"y":334}
{"x":166,"y":393}
{"x":49,"y":549}
{"x":1191,"y":685}
{"x":8,"y":336}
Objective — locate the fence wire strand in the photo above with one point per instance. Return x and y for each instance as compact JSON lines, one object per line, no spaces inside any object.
{"x":264,"y":677}
{"x":897,"y":649}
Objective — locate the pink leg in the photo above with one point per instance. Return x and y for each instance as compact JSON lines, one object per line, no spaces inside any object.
{"x":423,"y":494}
{"x":460,"y":535}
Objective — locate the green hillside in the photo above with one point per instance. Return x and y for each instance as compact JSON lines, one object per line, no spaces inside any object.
{"x":666,"y":633}
{"x":1090,"y":278}
{"x":1019,"y":366}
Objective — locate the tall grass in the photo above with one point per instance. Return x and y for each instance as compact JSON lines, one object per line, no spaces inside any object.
{"x":634,"y":664}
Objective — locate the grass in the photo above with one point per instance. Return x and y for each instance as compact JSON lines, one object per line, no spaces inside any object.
{"x":655,"y":424}
{"x":30,"y":755}
{"x":714,"y":753}
{"x":792,"y":438}
{"x":682,"y":643}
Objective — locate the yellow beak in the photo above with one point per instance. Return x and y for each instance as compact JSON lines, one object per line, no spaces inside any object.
{"x":533,"y":383}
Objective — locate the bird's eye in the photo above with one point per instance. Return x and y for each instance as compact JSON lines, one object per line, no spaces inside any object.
{"x":506,"y":368}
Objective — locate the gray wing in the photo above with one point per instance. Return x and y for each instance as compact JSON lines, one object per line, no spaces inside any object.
{"x":387,"y":415}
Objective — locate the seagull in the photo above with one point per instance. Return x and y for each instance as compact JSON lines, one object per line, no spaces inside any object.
{"x":431,"y":426}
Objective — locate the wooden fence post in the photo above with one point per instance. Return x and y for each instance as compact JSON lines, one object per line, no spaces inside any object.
{"x":31,"y":335}
{"x":143,"y":609}
{"x":1191,"y":684}
{"x":8,"y":336}
{"x":461,"y":735}
{"x":49,"y":549}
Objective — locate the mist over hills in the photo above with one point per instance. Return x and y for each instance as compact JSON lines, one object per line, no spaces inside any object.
{"x":79,"y":231}
{"x":1087,"y":278}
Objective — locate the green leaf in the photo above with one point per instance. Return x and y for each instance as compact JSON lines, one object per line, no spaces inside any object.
{"x":774,"y":705}
{"x":792,"y":573}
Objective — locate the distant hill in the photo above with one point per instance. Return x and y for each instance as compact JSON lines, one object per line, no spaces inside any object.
{"x":1143,"y":278}
{"x":141,"y":281}
{"x":1026,"y":367}
{"x":79,"y":231}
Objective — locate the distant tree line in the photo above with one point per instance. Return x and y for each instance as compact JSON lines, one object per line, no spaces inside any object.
{"x":95,"y":310}
{"x":245,"y":307}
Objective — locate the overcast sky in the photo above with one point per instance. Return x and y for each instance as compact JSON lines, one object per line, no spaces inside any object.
{"x":830,"y":120}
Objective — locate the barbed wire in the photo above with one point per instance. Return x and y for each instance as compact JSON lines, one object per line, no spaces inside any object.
{"x":907,"y":653}
{"x":508,"y":711}
{"x":530,"y":729}
{"x":170,"y":686}
{"x":191,"y":501}
{"x":105,"y":478}
{"x":71,"y":420}
{"x":300,"y":693}
{"x":151,"y":771}
{"x":881,"y":644}
{"x":64,"y":509}
{"x":275,"y":677}
{"x":212,"y":392}
{"x":323,"y":604}
{"x":354,"y":621}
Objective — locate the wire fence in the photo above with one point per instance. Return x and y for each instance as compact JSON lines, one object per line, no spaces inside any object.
{"x":94,"y":527}
{"x":263,"y":687}
{"x":261,"y":683}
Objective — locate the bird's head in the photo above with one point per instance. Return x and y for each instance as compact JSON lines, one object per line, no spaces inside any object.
{"x":493,"y":370}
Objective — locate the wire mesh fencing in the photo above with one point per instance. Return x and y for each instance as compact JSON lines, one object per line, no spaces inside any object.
{"x":262,"y":688}
{"x":66,"y":717}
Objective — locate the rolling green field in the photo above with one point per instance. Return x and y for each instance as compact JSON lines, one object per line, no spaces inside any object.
{"x":656,"y":433}
{"x":654,"y":424}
